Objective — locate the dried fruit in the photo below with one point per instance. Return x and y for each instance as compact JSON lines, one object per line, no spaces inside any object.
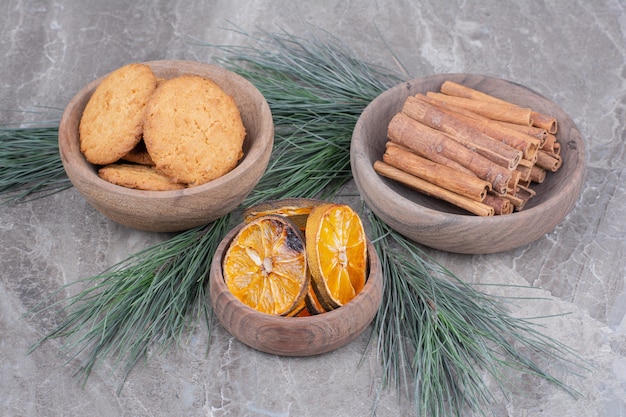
{"x":295,"y":209}
{"x":265,"y":266}
{"x":337,"y":254}
{"x":312,"y":303}
{"x":333,"y":254}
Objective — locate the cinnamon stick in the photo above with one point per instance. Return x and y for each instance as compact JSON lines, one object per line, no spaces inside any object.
{"x":544,"y":121}
{"x":523,"y":194}
{"x":458,"y":90}
{"x":534,"y":131}
{"x":466,"y":185}
{"x":548,"y":161}
{"x":427,"y":141}
{"x":453,"y":146}
{"x":506,"y":113}
{"x":500,"y":205}
{"x":524,"y":168}
{"x":432,"y":190}
{"x":512,"y":137}
{"x":515,"y":179}
{"x":464,"y":131}
{"x":435,"y":157}
{"x":517,"y":202}
{"x":551,"y":145}
{"x":537,"y":174}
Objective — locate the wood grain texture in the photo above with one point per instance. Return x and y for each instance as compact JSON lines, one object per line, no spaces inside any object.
{"x":171,"y":211}
{"x":294,"y":336}
{"x":440,"y":225}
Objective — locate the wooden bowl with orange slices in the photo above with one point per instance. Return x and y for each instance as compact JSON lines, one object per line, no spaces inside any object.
{"x":292,"y":287}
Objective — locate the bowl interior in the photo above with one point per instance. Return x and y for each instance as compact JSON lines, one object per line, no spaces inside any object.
{"x":557,"y":193}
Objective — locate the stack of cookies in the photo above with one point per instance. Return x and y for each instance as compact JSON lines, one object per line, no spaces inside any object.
{"x":155,"y":134}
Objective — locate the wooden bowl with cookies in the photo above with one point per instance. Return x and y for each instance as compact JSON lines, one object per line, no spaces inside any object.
{"x":166,"y":146}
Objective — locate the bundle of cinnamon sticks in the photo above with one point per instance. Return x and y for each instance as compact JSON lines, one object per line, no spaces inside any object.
{"x":470,"y":149}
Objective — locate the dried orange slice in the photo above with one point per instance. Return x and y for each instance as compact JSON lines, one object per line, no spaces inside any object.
{"x":295,"y":209}
{"x":304,"y":313}
{"x":296,"y":312}
{"x":265,"y":266}
{"x":313,"y":305}
{"x":337,"y":252}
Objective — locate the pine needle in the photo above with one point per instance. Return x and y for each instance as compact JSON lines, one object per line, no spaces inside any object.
{"x":316,"y":91}
{"x":437,"y":334}
{"x":141,"y":302}
{"x":30,"y":165}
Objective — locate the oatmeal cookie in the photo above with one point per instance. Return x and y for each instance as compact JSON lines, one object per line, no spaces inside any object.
{"x":140,"y":177}
{"x":139,"y":155}
{"x":112,"y":122}
{"x":193,"y":130}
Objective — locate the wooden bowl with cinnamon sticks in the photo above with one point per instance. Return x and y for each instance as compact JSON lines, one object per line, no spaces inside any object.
{"x":467,"y":163}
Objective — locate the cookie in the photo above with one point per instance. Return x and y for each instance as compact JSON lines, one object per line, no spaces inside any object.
{"x":140,"y":177}
{"x":139,"y":155}
{"x":193,"y":130}
{"x":112,"y":122}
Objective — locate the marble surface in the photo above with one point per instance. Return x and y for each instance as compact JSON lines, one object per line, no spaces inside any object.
{"x":572,"y":52}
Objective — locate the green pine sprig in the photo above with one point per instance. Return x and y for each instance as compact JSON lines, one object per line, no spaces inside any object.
{"x":451,"y":333}
{"x":316,"y":90}
{"x":146,"y":300}
{"x":30,"y":165}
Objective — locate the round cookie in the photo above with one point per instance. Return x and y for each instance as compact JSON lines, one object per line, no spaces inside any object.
{"x":193,"y":130}
{"x":141,"y":177}
{"x":112,"y":122}
{"x":139,"y":155}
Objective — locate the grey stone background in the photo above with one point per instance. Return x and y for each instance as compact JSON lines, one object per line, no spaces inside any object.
{"x":572,"y":52}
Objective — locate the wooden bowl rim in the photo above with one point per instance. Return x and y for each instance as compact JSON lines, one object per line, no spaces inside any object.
{"x":433,"y":216}
{"x":372,"y":289}
{"x":255,"y":152}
